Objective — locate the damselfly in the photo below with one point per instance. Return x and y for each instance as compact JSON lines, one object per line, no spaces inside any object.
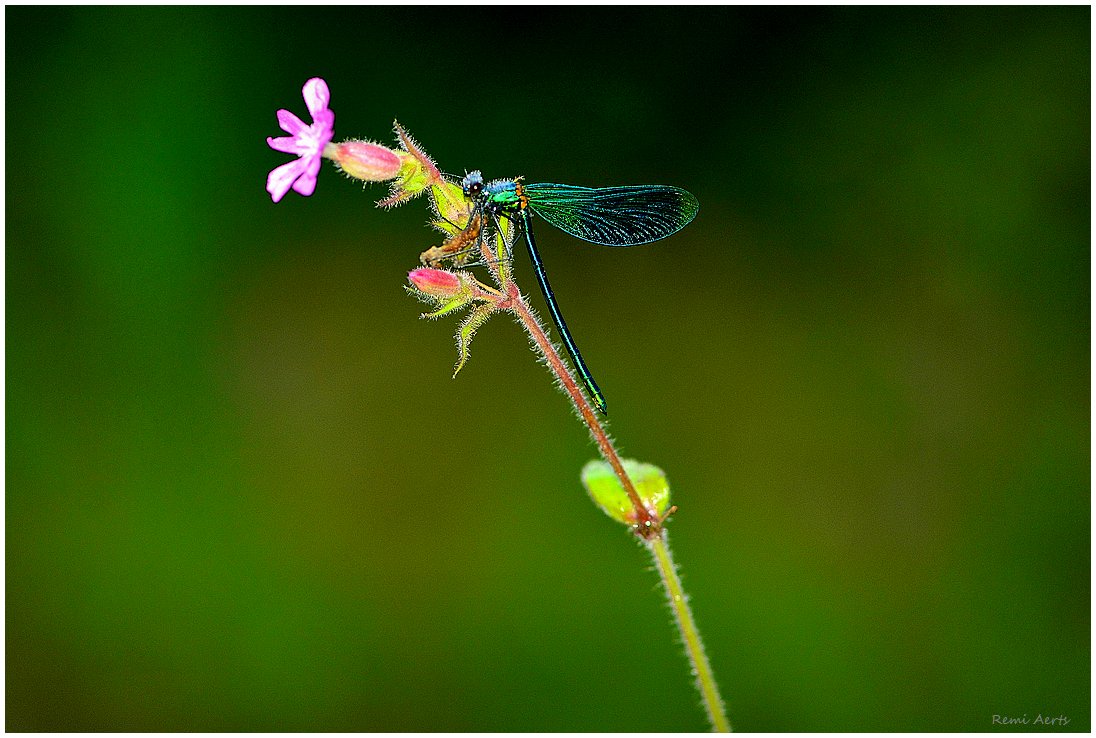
{"x":611,"y":216}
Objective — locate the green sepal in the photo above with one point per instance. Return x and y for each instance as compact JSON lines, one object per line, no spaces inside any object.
{"x":451,"y":205}
{"x":417,"y":171}
{"x":455,"y":304}
{"x":413,"y":179}
{"x":476,"y":317}
{"x":606,"y":491}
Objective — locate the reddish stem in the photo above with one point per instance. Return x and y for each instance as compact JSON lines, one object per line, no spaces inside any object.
{"x":648,"y":523}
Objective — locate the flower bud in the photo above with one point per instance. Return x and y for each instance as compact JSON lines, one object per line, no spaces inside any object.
{"x":366,"y":161}
{"x":606,"y":491}
{"x":437,"y":282}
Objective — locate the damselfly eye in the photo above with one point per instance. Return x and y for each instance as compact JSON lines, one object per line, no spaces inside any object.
{"x":472,"y":184}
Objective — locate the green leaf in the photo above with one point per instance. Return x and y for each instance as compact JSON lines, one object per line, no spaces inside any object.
{"x":605,"y":489}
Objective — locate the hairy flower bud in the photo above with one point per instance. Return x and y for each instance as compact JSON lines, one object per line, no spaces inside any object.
{"x":437,"y":282}
{"x":365,"y":160}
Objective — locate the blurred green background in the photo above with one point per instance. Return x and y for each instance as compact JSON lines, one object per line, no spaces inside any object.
{"x":243,"y":492}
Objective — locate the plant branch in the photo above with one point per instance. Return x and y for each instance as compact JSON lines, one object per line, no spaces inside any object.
{"x":648,"y":521}
{"x":648,"y":524}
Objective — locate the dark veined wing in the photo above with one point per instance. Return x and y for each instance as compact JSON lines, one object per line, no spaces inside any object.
{"x":614,"y":216}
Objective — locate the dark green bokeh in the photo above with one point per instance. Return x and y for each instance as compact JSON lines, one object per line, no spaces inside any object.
{"x":244,"y":494}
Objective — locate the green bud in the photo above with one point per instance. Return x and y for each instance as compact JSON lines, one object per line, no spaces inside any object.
{"x":605,"y":489}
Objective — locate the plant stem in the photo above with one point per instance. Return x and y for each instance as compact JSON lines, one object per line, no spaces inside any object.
{"x":646,"y":519}
{"x":648,"y":524}
{"x":690,"y":636}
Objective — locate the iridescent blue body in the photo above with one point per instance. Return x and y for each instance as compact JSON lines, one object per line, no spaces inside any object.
{"x":504,"y":195}
{"x":610,"y":216}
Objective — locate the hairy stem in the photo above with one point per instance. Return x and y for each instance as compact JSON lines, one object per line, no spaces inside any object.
{"x":646,"y":519}
{"x":648,"y":523}
{"x":690,"y":636}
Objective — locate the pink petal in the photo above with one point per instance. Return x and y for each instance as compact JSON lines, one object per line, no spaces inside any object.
{"x":290,"y":123}
{"x":306,"y":182}
{"x":287,"y":144}
{"x":305,"y":185}
{"x":281,"y":178}
{"x":316,"y":97}
{"x":324,"y":121}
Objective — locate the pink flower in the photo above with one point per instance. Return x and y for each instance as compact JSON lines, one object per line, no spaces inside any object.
{"x":307,"y":142}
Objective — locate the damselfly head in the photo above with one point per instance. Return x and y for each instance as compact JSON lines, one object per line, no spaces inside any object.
{"x":472,"y":184}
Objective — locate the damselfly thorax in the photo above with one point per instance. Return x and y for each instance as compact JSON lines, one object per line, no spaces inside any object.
{"x":610,"y":216}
